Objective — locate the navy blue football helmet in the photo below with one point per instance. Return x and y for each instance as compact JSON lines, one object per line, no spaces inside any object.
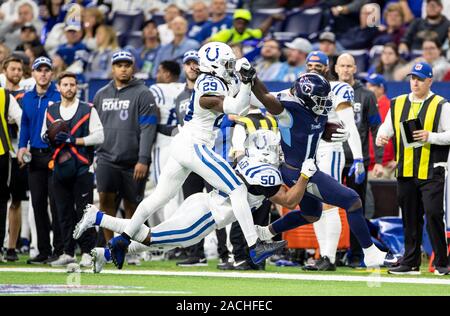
{"x":315,"y":93}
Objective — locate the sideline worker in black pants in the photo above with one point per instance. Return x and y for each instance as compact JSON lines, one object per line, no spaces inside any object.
{"x":72,"y":156}
{"x":35,"y":103}
{"x":419,"y":123}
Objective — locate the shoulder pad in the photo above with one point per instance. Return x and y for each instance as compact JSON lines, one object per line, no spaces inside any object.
{"x":343,"y":92}
{"x":258,"y":173}
{"x":210,"y":85}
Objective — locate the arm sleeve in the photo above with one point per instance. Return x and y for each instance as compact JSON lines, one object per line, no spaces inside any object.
{"x":14,"y":111}
{"x":148,"y":120}
{"x":239,"y":137}
{"x":386,"y":129}
{"x":354,"y":142}
{"x":443,"y":137}
{"x":96,"y":135}
{"x":24,"y":137}
{"x":374,"y":124}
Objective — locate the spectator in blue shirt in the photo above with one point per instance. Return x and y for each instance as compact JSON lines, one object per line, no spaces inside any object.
{"x":35,"y":102}
{"x":72,"y":55}
{"x":146,"y":55}
{"x":180,"y":44}
{"x":200,"y":16}
{"x":219,"y":21}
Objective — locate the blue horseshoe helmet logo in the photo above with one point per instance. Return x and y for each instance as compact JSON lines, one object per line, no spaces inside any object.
{"x":207,"y":54}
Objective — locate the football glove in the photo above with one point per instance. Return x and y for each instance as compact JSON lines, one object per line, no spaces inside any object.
{"x":358,"y":169}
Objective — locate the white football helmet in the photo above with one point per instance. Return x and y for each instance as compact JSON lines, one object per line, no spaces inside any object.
{"x":264,"y":146}
{"x":217,"y":59}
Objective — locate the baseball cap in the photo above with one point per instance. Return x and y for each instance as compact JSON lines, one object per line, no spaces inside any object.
{"x":122,"y":55}
{"x":376,"y":80}
{"x":422,"y":70}
{"x":242,"y":14}
{"x":73,"y":26}
{"x":300,"y":44}
{"x":190,"y":55}
{"x":317,"y":57}
{"x":42,"y":61}
{"x":327,"y":36}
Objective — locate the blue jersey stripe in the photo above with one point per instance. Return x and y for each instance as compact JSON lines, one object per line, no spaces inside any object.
{"x":253,"y":168}
{"x":343,"y":85}
{"x":213,"y":168}
{"x":181,"y":239}
{"x":148,"y":119}
{"x":332,"y":163}
{"x":267,"y":168}
{"x":185,"y":230}
{"x":224,"y":165}
{"x":159,"y":93}
{"x":339,"y":168}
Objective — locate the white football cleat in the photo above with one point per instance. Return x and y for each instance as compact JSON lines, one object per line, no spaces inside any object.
{"x":380,"y":259}
{"x":63,"y":260}
{"x":87,"y":221}
{"x":263,"y":233}
{"x":98,"y":259}
{"x":86,"y":260}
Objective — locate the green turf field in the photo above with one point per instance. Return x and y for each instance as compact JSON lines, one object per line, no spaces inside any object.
{"x":165,"y":278}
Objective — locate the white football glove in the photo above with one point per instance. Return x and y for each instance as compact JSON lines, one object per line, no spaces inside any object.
{"x":341,"y":136}
{"x":309,"y":168}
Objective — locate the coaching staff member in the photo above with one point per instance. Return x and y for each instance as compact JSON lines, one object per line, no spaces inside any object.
{"x":35,"y":103}
{"x":72,"y":156}
{"x":421,"y":153}
{"x":129,"y":116}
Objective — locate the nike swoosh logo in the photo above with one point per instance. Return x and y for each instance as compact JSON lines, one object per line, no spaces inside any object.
{"x":85,"y":194}
{"x":237,"y":264}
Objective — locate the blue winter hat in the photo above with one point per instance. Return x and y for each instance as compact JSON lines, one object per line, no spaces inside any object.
{"x":122,"y":55}
{"x":190,"y":55}
{"x":42,"y":61}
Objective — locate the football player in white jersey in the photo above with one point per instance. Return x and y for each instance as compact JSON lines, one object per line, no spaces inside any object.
{"x":165,"y":90}
{"x":217,"y":90}
{"x":202,"y":213}
{"x":331,"y":160}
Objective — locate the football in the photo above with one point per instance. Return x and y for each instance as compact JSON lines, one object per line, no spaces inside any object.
{"x":56,"y":127}
{"x":330,"y":129}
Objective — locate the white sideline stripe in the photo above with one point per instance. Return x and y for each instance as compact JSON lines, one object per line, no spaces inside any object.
{"x":256,"y":275}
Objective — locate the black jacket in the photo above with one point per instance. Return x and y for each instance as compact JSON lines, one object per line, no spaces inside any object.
{"x":367,"y":119}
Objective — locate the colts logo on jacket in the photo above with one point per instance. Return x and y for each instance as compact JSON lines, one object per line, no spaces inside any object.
{"x":117,"y":105}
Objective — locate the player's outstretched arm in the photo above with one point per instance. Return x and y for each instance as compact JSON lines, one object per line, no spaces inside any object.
{"x":291,"y":197}
{"x":271,"y":103}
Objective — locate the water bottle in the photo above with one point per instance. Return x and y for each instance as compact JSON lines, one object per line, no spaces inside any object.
{"x":26,"y":157}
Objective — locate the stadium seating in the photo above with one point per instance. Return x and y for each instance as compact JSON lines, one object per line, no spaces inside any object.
{"x":134,"y":39}
{"x":361,"y":58}
{"x":259,"y":16}
{"x":306,"y":23}
{"x":128,"y":22}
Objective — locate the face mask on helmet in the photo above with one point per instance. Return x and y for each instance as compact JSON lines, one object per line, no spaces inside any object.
{"x":315,"y":93}
{"x":264,"y":146}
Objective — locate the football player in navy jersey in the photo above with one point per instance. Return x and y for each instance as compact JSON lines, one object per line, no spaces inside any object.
{"x":302,"y":113}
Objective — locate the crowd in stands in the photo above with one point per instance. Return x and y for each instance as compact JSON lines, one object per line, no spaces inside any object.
{"x":80,"y":36}
{"x":386,"y":37}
